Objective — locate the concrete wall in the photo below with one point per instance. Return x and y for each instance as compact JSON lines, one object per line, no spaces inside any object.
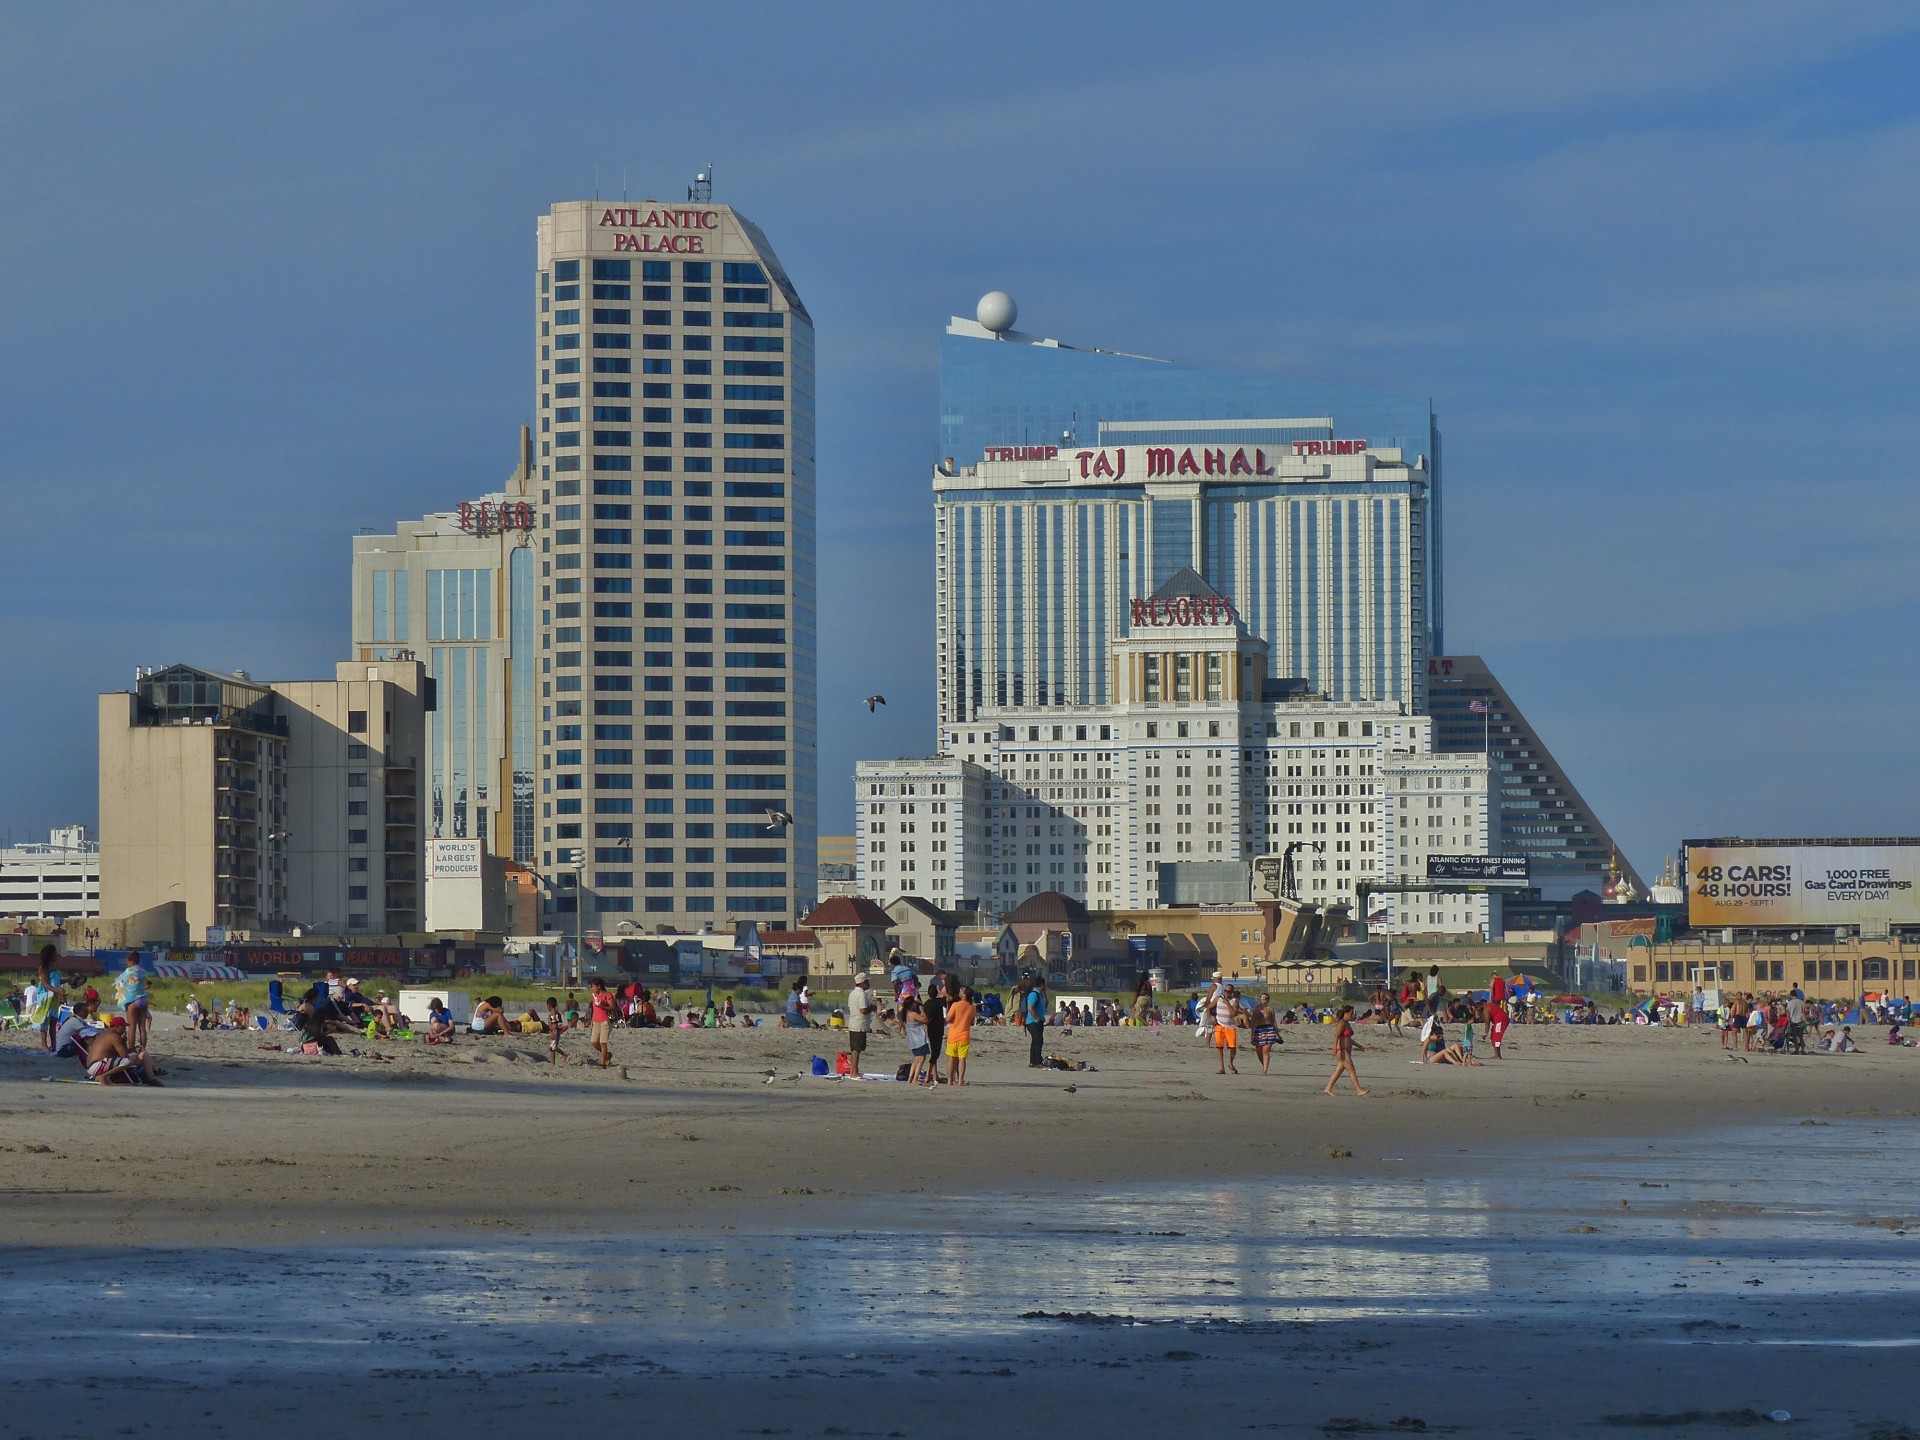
{"x":156,"y":815}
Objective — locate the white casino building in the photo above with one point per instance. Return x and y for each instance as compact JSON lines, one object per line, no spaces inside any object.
{"x":1199,"y":756}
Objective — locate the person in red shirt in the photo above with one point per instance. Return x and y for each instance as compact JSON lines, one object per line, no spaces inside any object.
{"x":1497,"y":1017}
{"x":1343,"y":1048}
{"x":601,"y":1008}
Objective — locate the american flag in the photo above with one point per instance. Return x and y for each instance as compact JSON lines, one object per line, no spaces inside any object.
{"x":1478,"y":707}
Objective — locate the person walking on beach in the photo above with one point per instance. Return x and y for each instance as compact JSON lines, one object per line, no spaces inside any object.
{"x":860,"y":1009}
{"x":960,"y":1016}
{"x":1226,"y":1032}
{"x":1343,"y":1048}
{"x":556,"y":1027}
{"x":1266,"y":1032}
{"x":1142,"y":1000}
{"x":1033,"y":1014}
{"x":600,"y":1011}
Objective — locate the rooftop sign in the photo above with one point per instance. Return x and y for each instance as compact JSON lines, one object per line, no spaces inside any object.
{"x":666,"y":229}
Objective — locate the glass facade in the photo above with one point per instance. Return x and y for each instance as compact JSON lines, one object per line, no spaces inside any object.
{"x":995,"y":392}
{"x":1339,"y":574}
{"x":466,"y":592}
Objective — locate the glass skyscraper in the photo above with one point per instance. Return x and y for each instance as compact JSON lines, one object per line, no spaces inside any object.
{"x":1075,"y":482}
{"x":455,"y":591}
{"x":674,"y":383}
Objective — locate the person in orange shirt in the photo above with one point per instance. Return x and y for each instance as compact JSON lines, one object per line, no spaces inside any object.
{"x":961,"y":1011}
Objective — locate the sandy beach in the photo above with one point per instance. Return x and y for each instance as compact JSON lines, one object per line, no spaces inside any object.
{"x":486,"y":1174}
{"x":248,"y":1145}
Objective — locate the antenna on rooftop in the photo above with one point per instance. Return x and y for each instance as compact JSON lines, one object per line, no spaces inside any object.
{"x":701,"y":191}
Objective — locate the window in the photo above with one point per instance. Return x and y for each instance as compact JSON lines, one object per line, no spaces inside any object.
{"x":357,"y":723}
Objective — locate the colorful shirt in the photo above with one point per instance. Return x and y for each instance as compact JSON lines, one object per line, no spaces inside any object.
{"x":960,"y":1015}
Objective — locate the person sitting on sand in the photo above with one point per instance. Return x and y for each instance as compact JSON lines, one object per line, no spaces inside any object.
{"x":110,"y":1062}
{"x":76,"y":1032}
{"x":1438,"y":1052}
{"x":439,"y":1023}
{"x":490,"y":1019}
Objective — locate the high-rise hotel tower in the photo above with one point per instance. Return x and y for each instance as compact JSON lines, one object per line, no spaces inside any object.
{"x":1075,"y":482}
{"x":674,"y":389}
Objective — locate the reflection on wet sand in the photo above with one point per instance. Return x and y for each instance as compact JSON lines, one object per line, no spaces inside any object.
{"x":1622,"y":1236}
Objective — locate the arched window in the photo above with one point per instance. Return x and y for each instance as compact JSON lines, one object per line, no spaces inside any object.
{"x":1873,"y":968}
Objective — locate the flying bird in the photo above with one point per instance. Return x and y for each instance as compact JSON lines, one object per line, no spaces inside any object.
{"x":873,"y":701}
{"x":778,"y":818}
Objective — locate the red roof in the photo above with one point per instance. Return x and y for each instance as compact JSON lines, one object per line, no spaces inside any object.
{"x":847,"y":910}
{"x":786,"y":937}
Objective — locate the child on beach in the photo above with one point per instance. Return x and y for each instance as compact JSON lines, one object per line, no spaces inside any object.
{"x":556,"y":1027}
{"x":913,"y":1017}
{"x":1343,"y":1048}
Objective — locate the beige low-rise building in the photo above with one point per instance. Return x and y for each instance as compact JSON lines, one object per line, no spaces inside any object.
{"x":260,"y":806}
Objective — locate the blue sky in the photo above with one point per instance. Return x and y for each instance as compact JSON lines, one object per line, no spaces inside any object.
{"x":266,"y":281}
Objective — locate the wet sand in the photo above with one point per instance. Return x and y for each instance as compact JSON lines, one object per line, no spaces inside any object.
{"x":1570,"y":1238}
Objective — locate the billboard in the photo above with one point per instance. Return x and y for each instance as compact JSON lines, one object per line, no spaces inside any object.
{"x":1483,"y":869}
{"x":456,"y":885}
{"x":1730,"y":883}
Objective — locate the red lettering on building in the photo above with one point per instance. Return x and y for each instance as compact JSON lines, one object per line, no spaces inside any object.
{"x":486,"y":518}
{"x":1164,"y":461}
{"x":658,"y":217}
{"x":660,"y":244}
{"x":1155,"y":613}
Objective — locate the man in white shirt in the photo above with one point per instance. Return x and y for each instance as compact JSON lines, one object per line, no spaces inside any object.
{"x":860,"y":1009}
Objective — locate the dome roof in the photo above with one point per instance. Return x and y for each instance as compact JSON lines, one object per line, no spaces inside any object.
{"x":1050,"y":907}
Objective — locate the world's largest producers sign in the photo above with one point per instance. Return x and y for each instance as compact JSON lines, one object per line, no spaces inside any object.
{"x":1802,"y":884}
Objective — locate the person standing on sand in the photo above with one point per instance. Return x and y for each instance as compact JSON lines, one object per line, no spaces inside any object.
{"x":1033,"y":1014}
{"x":600,"y":1013}
{"x":130,"y":987}
{"x":961,"y":1011}
{"x":859,"y":1020}
{"x":556,"y":1027}
{"x":1142,"y":1000}
{"x":45,"y":1015}
{"x":935,"y":1008}
{"x":1497,"y":1018}
{"x":1343,"y":1048}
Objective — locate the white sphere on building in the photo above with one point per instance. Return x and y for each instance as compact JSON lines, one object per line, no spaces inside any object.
{"x":996,"y":311}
